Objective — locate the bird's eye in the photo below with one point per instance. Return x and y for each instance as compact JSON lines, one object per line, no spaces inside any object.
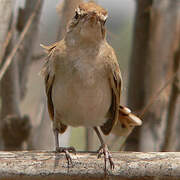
{"x":76,"y":15}
{"x":104,"y":22}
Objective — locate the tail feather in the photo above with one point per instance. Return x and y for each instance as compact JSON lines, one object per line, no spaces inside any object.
{"x":127,"y":118}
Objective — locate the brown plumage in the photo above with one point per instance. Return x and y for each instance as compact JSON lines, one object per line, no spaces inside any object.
{"x":82,"y":77}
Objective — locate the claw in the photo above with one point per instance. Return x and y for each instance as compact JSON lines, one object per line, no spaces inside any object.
{"x":67,"y":151}
{"x":107,"y":156}
{"x":72,"y":150}
{"x":100,"y":152}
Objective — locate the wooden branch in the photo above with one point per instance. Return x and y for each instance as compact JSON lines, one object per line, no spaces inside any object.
{"x":49,"y":165}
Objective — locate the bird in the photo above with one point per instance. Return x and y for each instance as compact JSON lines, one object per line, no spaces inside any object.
{"x":83,"y":80}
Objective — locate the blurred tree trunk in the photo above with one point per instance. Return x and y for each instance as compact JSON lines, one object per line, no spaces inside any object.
{"x":178,"y":124}
{"x":136,"y":90}
{"x":15,"y":128}
{"x":66,"y":12}
{"x":172,"y":120}
{"x":177,"y":112}
{"x":24,"y":56}
{"x":10,"y":105}
{"x":151,"y":67}
{"x":6,"y":8}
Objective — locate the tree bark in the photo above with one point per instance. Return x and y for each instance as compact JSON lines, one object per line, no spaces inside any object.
{"x":51,"y":165}
{"x":16,"y":129}
{"x":172,"y":121}
{"x":158,"y":68}
{"x":6,"y":7}
{"x":136,"y":91}
{"x":24,"y":55}
{"x":151,"y":66}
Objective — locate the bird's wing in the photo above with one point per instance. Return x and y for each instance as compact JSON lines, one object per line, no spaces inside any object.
{"x":48,"y":73}
{"x":115,"y":81}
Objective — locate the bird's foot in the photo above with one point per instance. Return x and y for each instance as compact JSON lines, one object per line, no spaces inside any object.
{"x":103,"y":150}
{"x":67,"y":151}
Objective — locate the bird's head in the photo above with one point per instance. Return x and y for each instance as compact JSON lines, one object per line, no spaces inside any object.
{"x":88,"y":22}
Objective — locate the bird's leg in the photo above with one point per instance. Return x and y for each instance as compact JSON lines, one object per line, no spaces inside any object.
{"x":65,"y":150}
{"x":104,"y":150}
